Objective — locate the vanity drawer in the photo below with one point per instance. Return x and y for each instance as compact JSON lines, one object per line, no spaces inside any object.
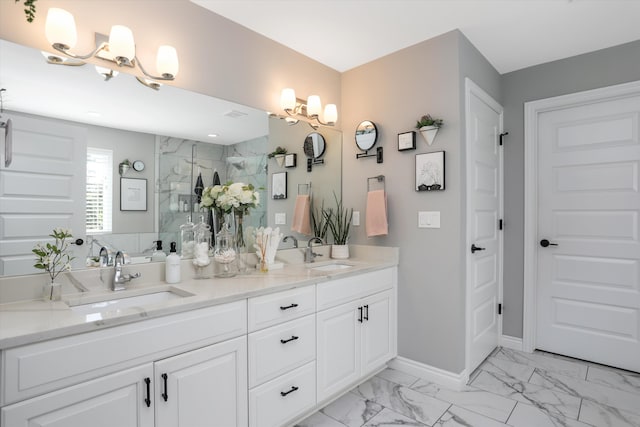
{"x":339,"y":291}
{"x":39,"y":368}
{"x":269,"y":356}
{"x":280,"y":400}
{"x":269,"y":310}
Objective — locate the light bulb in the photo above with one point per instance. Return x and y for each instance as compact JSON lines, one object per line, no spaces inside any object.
{"x":167,"y":62}
{"x":331,"y":114}
{"x":288,"y":99}
{"x":121,"y":44}
{"x":313,"y":105}
{"x":60,"y":28}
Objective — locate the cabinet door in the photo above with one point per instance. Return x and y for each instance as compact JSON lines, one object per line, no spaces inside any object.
{"x":338,"y":347}
{"x":377,"y":331}
{"x":113,"y":400}
{"x":204,"y":387}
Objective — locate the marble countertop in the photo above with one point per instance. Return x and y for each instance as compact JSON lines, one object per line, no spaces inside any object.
{"x":29,"y":321}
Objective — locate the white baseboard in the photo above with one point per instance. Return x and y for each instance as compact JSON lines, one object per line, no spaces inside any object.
{"x":430,"y":373}
{"x":513,"y":343}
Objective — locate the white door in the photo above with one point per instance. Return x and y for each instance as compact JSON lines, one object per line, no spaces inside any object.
{"x":203,"y":388}
{"x":377,"y":332}
{"x":484,"y":239}
{"x":114,"y":400}
{"x":588,"y":295}
{"x":42,"y":188}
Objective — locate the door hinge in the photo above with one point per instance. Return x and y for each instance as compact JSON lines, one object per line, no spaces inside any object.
{"x":500,"y":224}
{"x":502,"y":135}
{"x":499,"y":308}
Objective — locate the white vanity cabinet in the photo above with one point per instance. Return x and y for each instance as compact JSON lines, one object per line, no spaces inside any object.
{"x":356,"y":329}
{"x":116,"y":376}
{"x":282,"y":353}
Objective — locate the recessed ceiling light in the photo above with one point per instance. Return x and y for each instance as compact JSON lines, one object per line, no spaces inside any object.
{"x":213,"y":135}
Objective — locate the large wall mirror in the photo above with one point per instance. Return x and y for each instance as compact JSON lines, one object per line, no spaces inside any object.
{"x":66,"y":117}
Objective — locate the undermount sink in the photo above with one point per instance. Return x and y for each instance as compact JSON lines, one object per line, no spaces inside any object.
{"x":114,"y":304}
{"x":332,"y":267}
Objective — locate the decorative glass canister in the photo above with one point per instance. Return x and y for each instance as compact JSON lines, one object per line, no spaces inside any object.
{"x":224,"y":253}
{"x":187,"y":239}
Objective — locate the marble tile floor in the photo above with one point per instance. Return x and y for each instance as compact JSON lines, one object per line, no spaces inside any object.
{"x":510,"y":388}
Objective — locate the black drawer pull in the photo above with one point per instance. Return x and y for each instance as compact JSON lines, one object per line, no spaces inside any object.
{"x":148,"y":399}
{"x":165,"y":395}
{"x":288,"y":307}
{"x":360,"y":317}
{"x":284,"y":393}
{"x":366,"y":311}
{"x":293,"y":338}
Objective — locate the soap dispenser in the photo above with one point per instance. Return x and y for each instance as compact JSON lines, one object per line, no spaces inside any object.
{"x":158,"y":255}
{"x":172,"y":266}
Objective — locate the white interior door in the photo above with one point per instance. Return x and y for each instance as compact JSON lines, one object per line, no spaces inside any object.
{"x":588,"y":205}
{"x":42,"y":188}
{"x":484,"y":239}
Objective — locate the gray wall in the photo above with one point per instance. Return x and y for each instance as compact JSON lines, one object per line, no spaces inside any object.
{"x":394,"y":92}
{"x":619,"y":64}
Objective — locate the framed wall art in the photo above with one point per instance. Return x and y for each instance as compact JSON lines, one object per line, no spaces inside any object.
{"x":430,"y":171}
{"x":407,"y":141}
{"x":279,"y":186}
{"x":133,"y":194}
{"x":290,"y":160}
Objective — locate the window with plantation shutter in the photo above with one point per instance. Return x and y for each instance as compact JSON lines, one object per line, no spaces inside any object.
{"x":99,"y":189}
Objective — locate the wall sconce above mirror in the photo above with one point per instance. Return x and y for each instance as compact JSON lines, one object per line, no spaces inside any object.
{"x":119,"y":48}
{"x":294,"y":106}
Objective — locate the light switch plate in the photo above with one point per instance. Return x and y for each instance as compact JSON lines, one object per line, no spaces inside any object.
{"x":355,"y":220}
{"x":281,"y":218}
{"x":429,"y":219}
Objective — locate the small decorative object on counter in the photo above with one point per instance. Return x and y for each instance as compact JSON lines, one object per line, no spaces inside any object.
{"x":278,"y":154}
{"x":187,"y":239}
{"x":266,"y":245}
{"x":225,"y":253}
{"x":172,"y":266}
{"x":429,"y":127}
{"x":158,"y":255}
{"x":202,"y":234}
{"x":54,"y":259}
{"x":339,"y":224}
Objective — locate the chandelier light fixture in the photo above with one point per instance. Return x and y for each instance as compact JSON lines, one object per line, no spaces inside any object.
{"x":310,"y":109}
{"x":119,"y":48}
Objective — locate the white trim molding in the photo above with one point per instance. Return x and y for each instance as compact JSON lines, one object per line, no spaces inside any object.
{"x":532,"y":110}
{"x":514,"y":343}
{"x":430,"y":373}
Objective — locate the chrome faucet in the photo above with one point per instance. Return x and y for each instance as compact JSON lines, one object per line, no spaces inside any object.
{"x":309,"y":255}
{"x":106,"y":257}
{"x":120,"y":279}
{"x":295,"y":241}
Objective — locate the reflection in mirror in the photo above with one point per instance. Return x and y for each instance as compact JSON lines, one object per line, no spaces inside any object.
{"x":314,"y":145}
{"x":366,"y":135}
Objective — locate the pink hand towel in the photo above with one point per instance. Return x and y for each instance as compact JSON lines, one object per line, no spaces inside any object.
{"x":376,"y":224}
{"x":301,"y":215}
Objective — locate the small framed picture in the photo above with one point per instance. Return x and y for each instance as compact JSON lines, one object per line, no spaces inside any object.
{"x":279,"y":186}
{"x":430,"y":171}
{"x":290,"y":160}
{"x":133,"y":194}
{"x":407,"y":141}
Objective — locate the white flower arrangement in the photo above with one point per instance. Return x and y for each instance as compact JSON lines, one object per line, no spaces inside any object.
{"x":54,"y":258}
{"x":229,"y":197}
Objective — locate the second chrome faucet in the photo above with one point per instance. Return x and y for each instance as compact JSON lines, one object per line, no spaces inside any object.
{"x":309,"y":255}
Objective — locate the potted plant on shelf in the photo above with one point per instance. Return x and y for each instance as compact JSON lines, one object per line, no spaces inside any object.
{"x":429,"y":127}
{"x":339,"y":222}
{"x":124,"y":166}
{"x":278,"y":153}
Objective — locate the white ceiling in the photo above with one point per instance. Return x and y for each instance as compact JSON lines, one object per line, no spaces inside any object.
{"x":511,"y":34}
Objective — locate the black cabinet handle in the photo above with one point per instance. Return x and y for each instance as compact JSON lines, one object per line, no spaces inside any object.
{"x":475,"y":248}
{"x":148,"y":399}
{"x":284,"y":393}
{"x":544,"y":243}
{"x":366,"y":312}
{"x":288,"y":307}
{"x":360,"y":317}
{"x":293,"y":338}
{"x":165,"y":394}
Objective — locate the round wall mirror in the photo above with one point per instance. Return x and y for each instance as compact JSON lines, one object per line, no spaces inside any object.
{"x":314,"y":145}
{"x":366,"y":135}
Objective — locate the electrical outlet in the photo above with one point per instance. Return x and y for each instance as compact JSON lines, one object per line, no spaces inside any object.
{"x":429,"y":219}
{"x":355,"y":220}
{"x":281,"y":218}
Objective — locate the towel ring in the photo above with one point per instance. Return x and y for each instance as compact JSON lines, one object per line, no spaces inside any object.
{"x":375,"y":181}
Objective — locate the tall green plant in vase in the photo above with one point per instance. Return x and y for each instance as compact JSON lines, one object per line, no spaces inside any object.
{"x":339,"y":222}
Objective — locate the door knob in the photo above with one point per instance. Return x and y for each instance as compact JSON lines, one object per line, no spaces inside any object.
{"x":544,"y":243}
{"x":475,"y":248}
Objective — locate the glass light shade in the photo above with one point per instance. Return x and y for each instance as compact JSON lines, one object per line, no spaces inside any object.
{"x":313,"y":105}
{"x":330,"y":113}
{"x":121,"y":42}
{"x":167,"y":61}
{"x":60,"y":28}
{"x":288,"y":99}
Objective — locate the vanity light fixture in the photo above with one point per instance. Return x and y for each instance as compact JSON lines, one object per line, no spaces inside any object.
{"x":120,"y":48}
{"x":294,"y":106}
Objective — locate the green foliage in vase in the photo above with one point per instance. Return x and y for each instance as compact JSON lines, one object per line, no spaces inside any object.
{"x":339,"y":221}
{"x":54,"y":258}
{"x":427,"y":120}
{"x":319,"y":222}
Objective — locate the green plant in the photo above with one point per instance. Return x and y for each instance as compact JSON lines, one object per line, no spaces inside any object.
{"x":339,"y":222}
{"x":319,"y":222}
{"x":279,"y":150}
{"x":54,"y":258}
{"x":29,"y":9}
{"x":427,"y":120}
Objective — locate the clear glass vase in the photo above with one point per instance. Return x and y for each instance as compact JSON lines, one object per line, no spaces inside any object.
{"x":224,"y":253}
{"x":241,"y":243}
{"x":52,"y":291}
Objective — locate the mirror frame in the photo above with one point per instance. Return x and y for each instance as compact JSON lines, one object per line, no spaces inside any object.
{"x":360,"y":131}
{"x":308,"y":148}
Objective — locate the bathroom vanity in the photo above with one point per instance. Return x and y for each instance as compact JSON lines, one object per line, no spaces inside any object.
{"x":263,"y":349}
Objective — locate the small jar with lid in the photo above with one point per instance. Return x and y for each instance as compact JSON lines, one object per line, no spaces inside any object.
{"x":224,"y":253}
{"x":187,"y":239}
